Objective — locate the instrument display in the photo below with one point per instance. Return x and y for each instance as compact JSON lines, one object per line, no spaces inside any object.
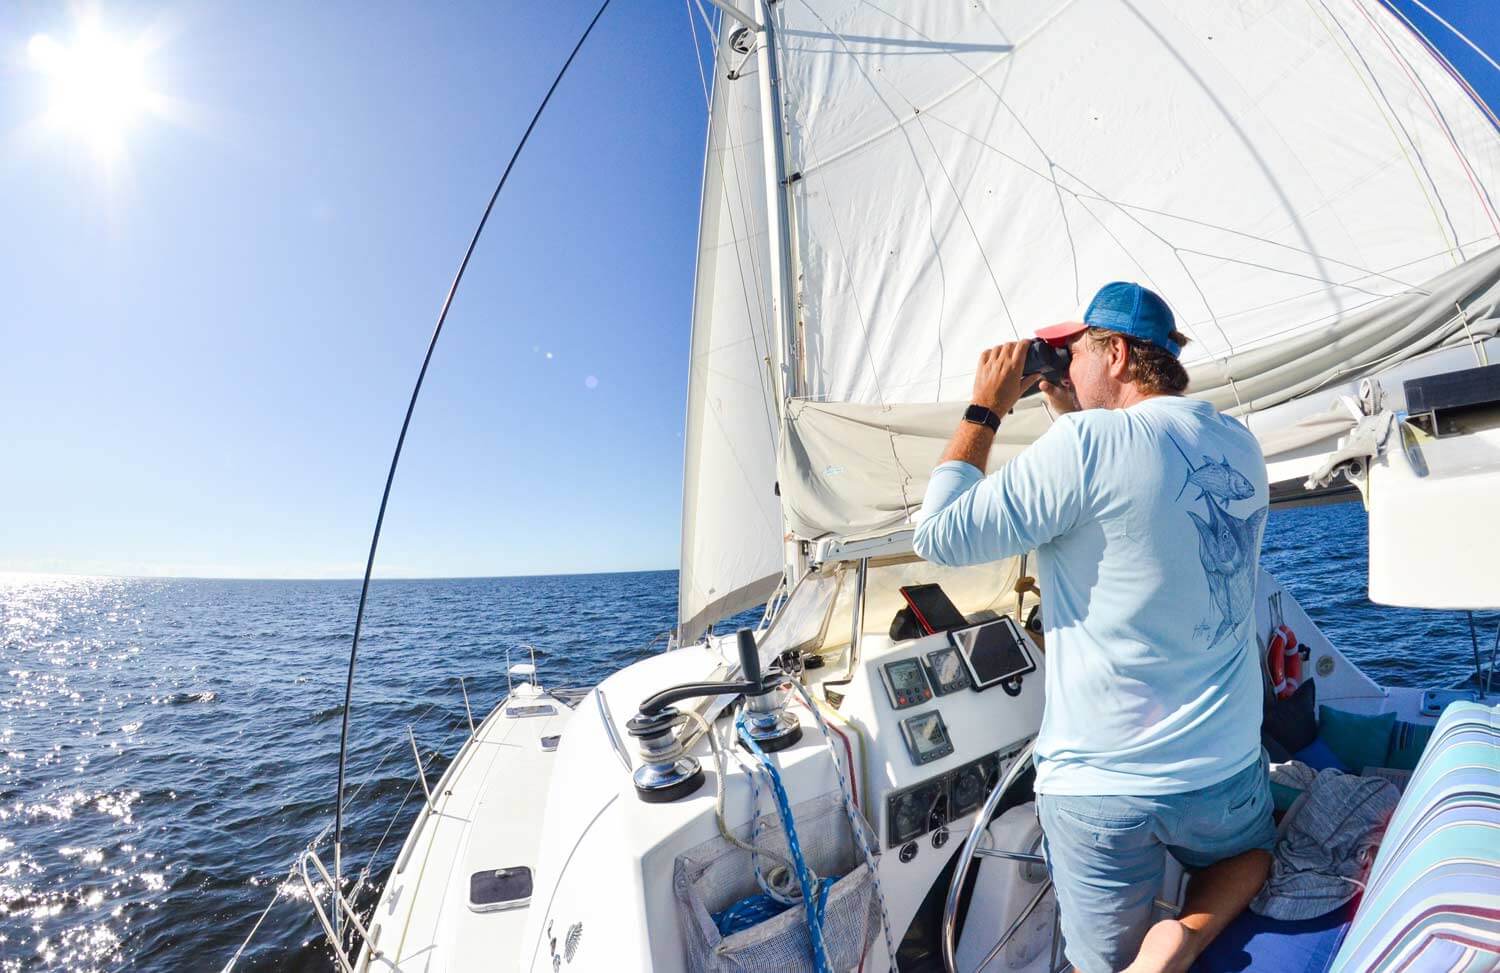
{"x":993,"y":652}
{"x":926,"y":737}
{"x":905,"y":683}
{"x":947,"y":671}
{"x":915,"y":811}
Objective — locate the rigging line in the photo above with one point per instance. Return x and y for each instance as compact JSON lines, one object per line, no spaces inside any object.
{"x":1307,"y":326}
{"x":1365,"y":83}
{"x":1361,"y":369}
{"x":698,"y":55}
{"x":1432,"y":106}
{"x":1035,"y":142}
{"x":1442,"y":59}
{"x":973,"y":232}
{"x":275,"y":897}
{"x":1326,"y":258}
{"x":1425,"y":95}
{"x":1182,"y":264}
{"x":926,"y":191}
{"x":389,"y":752}
{"x":1123,"y":212}
{"x":1477,"y":346}
{"x":1095,"y":195}
{"x":1117,"y":241}
{"x":364,"y":591}
{"x":1279,"y":270}
{"x":899,"y":122}
{"x":1457,"y":33}
{"x":713,"y":32}
{"x":1422,"y":291}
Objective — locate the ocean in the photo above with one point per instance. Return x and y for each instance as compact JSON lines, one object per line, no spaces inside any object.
{"x":167,"y":746}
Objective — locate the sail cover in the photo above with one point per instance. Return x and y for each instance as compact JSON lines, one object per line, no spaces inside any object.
{"x":1305,"y":182}
{"x":731,"y":517}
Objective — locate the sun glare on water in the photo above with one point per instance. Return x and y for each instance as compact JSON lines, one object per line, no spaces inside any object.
{"x":98,"y":87}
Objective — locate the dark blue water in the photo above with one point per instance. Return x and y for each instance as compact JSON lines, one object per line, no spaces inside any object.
{"x":167,"y":746}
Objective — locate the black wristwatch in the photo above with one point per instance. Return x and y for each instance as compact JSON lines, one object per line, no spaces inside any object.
{"x":981,"y":416}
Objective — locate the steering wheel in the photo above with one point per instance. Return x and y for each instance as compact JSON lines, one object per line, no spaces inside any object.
{"x":966,"y":857}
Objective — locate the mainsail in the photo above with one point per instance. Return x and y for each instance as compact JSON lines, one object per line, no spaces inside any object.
{"x":1307,"y":182}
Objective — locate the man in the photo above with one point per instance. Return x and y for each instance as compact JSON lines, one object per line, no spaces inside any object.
{"x":1146,"y":511}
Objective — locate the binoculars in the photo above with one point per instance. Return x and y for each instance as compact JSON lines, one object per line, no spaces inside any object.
{"x":1046,"y":360}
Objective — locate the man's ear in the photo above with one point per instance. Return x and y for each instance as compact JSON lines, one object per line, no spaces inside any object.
{"x":1119,"y":358}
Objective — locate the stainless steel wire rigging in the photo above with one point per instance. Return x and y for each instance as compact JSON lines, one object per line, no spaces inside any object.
{"x":390,"y":477}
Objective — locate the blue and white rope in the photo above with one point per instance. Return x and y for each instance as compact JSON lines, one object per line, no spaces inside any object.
{"x":766,"y":885}
{"x":814,"y":893}
{"x":856,"y":820}
{"x":721,"y":763}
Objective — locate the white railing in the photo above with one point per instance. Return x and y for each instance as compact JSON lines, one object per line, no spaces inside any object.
{"x":343,"y":908}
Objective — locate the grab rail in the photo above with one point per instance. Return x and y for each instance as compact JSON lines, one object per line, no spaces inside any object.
{"x":343,"y":908}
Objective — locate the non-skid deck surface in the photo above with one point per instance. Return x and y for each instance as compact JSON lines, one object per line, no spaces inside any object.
{"x":489,"y":816}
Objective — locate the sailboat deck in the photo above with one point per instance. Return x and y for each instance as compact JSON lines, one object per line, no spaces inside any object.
{"x":486,"y":814}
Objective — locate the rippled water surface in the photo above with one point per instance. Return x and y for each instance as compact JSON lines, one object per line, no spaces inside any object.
{"x":167,"y":746}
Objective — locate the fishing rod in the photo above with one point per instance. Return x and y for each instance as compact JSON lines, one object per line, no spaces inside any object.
{"x":390,"y":477}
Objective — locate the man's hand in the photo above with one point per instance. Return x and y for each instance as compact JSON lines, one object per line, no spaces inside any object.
{"x":997,"y":382}
{"x":1061,"y":397}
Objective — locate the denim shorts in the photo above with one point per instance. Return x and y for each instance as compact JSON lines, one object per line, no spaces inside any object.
{"x":1106,"y":857}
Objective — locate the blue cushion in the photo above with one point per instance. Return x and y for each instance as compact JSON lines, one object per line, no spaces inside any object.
{"x":1319,"y":756}
{"x":1360,"y":741}
{"x":1256,"y":944}
{"x":1408,"y":740}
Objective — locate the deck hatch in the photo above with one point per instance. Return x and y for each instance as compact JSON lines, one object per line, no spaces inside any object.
{"x":540,"y":709}
{"x":496,"y":889}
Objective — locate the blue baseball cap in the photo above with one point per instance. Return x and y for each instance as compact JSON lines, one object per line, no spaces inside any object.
{"x":1127,"y":308}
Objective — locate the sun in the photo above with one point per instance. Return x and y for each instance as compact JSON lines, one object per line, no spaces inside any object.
{"x":98,"y":86}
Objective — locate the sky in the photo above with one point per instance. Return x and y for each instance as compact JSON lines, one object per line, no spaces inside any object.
{"x":210,"y":320}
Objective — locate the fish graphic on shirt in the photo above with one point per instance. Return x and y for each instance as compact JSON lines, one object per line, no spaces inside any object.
{"x":1226,"y":544}
{"x":1216,"y":479}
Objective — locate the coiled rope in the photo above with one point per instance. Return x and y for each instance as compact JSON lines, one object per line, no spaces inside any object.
{"x":778,"y":888}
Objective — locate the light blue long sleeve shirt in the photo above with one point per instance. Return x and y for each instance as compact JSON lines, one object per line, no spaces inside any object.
{"x":1147,"y":524}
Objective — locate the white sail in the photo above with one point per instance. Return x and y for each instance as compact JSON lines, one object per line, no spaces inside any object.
{"x":1305,"y":183}
{"x":731,"y":517}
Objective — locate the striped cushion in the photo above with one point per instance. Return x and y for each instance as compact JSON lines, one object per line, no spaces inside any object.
{"x":1432,"y":901}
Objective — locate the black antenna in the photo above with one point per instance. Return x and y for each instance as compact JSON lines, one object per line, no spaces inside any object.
{"x":364,"y":591}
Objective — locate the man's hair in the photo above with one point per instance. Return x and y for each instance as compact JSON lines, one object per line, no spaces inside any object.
{"x":1149,"y":365}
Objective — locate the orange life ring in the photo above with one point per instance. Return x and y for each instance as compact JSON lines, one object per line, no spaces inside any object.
{"x":1284,"y":660}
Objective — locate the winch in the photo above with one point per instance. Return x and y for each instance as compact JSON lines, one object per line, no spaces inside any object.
{"x":667,"y":771}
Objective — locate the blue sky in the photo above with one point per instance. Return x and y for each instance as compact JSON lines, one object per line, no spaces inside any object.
{"x":206,"y":344}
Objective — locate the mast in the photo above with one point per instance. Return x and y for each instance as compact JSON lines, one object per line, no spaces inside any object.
{"x":778,"y":211}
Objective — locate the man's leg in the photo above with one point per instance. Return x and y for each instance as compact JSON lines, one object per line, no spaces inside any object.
{"x":1225,"y":832}
{"x":1106,"y":863}
{"x":1215,"y":896}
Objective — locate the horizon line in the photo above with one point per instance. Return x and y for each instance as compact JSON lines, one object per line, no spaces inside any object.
{"x":9,"y":574}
